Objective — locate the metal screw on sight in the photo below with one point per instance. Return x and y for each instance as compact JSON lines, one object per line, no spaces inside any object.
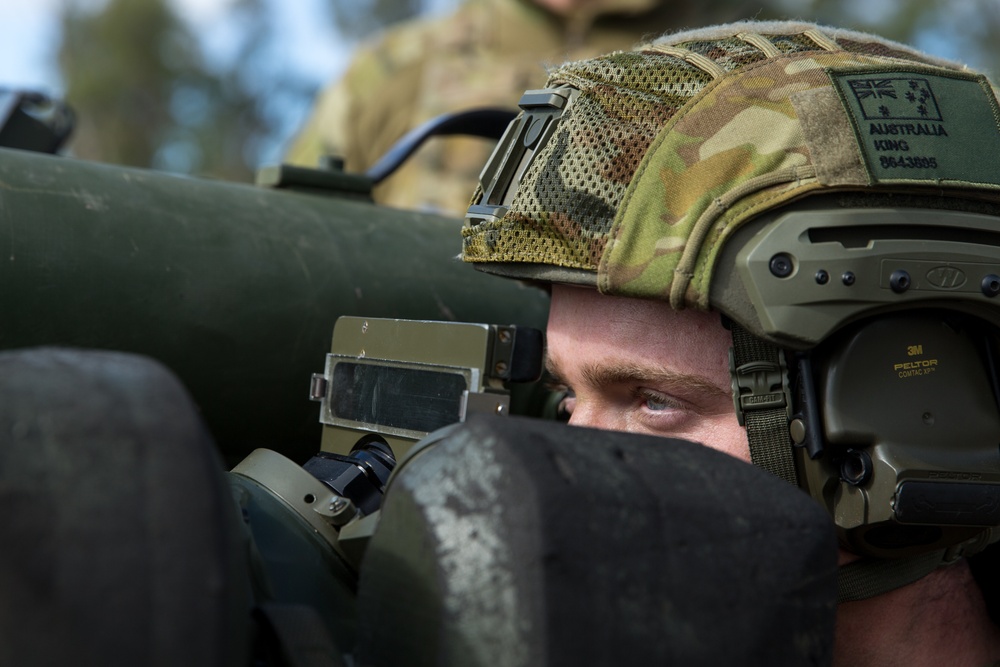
{"x":341,"y":511}
{"x":339,"y":505}
{"x":848,"y":278}
{"x":822,"y":277}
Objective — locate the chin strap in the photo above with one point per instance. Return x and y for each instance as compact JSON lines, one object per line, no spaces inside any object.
{"x":867,"y":578}
{"x":763,"y":401}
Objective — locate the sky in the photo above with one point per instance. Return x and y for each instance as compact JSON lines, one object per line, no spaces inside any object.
{"x":28,"y":32}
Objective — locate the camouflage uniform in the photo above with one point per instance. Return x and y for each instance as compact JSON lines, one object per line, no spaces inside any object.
{"x":484,"y":54}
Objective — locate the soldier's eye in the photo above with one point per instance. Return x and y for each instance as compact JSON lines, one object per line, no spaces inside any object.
{"x":655,"y":401}
{"x":656,"y":404}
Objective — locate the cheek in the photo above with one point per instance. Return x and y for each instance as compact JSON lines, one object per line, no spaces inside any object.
{"x":724,"y":433}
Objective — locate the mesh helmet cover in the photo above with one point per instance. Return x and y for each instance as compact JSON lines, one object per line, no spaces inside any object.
{"x":671,"y":147}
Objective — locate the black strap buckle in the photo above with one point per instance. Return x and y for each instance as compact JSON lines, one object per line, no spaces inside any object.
{"x":760,"y":385}
{"x":524,"y":137}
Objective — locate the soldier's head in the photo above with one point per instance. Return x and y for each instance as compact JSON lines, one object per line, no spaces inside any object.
{"x":779,"y":240}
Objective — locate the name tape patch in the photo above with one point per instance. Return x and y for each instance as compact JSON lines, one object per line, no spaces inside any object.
{"x":920,"y":125}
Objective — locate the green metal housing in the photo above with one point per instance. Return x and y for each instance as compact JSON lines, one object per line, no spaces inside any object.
{"x":235,"y":287}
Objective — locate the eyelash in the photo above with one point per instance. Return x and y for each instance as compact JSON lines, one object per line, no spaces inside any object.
{"x":648,"y":396}
{"x":644,"y":396}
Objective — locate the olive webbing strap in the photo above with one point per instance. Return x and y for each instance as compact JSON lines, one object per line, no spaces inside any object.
{"x":760,"y":390}
{"x":865,"y":579}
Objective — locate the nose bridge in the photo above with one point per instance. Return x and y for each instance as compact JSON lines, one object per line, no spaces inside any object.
{"x":591,"y":413}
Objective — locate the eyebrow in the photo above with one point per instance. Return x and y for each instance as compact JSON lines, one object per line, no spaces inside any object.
{"x":616,"y":372}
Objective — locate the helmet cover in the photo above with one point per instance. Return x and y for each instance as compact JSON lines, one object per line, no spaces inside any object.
{"x":668,"y":149}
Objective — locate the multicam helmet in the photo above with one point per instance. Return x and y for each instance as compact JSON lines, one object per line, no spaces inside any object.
{"x":836,"y":196}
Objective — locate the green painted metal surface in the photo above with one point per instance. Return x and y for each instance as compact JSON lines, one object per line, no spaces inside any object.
{"x":234,"y":287}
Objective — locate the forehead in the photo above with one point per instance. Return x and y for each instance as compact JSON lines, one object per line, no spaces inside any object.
{"x":586,"y":326}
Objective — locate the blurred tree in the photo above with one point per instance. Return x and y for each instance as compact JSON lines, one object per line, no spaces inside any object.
{"x":118,"y":80}
{"x":963,"y":30}
{"x":144,"y":96}
{"x":363,"y":17}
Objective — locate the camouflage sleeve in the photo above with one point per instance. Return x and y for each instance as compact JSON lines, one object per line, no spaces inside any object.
{"x":360,"y":116}
{"x":324,"y":133}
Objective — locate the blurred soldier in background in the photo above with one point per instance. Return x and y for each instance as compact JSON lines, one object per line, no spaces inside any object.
{"x":485,"y":54}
